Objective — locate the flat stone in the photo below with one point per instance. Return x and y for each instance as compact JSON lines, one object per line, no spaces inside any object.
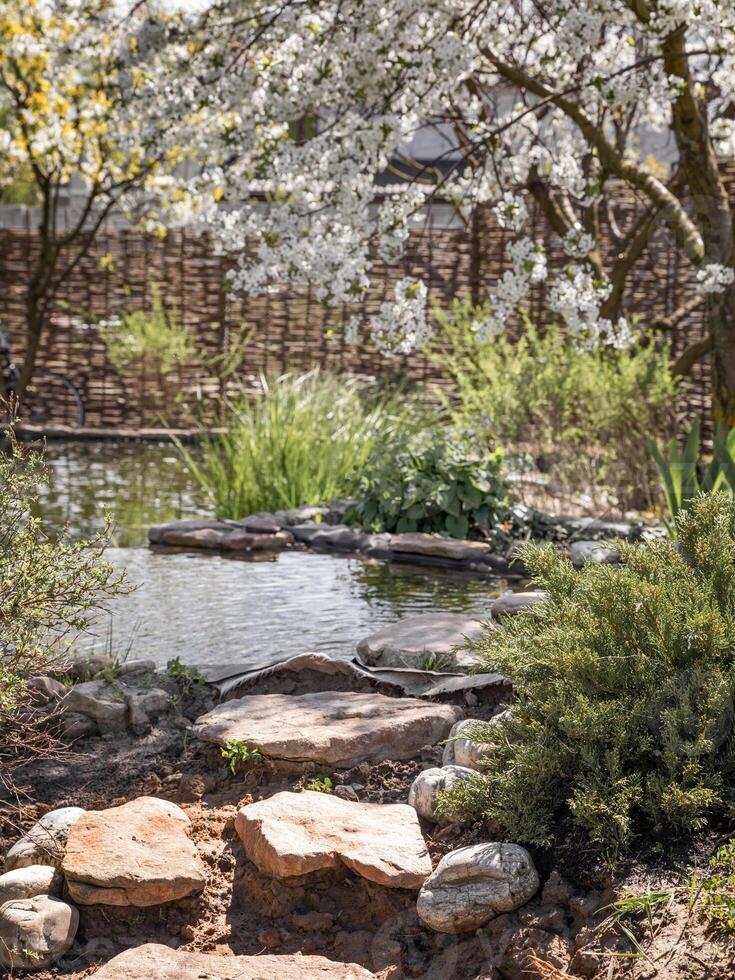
{"x":594,"y":552}
{"x":511,"y":603}
{"x":339,"y":537}
{"x":260,"y":524}
{"x":293,"y":834}
{"x":337,"y":728}
{"x":130,"y":668}
{"x":163,"y":963}
{"x":136,"y":854}
{"x":422,"y":795}
{"x":45,"y":842}
{"x":157,"y":532}
{"x":438,"y":547}
{"x":209,"y":538}
{"x":304,"y":533}
{"x":461,"y":749}
{"x":415,"y":638}
{"x":472,"y":885}
{"x":27,"y":882}
{"x":245,"y":540}
{"x":35,"y":932}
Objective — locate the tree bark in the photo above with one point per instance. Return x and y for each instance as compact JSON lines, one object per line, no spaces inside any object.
{"x":721,"y":316}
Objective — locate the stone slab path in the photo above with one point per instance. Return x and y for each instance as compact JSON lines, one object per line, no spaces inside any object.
{"x":293,"y":834}
{"x":336,"y":728}
{"x":163,"y":963}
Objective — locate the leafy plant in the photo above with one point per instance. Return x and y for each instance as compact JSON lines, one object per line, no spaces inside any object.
{"x":443,"y":486}
{"x":301,"y":440}
{"x":684,"y":473}
{"x":50,"y":588}
{"x":238,"y":755}
{"x":154,"y":336}
{"x":322,"y":784}
{"x":581,"y":417}
{"x":624,"y":678}
{"x":718,"y":889}
{"x":184,"y":677}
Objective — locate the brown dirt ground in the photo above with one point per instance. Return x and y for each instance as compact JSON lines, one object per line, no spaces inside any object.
{"x":561,"y":933}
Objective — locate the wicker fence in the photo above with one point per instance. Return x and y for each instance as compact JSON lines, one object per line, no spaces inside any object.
{"x":290,"y":329}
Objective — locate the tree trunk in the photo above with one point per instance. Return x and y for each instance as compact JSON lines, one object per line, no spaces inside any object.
{"x":35,"y":318}
{"x":722,"y":326}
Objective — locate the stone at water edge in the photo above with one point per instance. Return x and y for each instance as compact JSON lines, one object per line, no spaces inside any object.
{"x":136,"y":854}
{"x":337,"y":728}
{"x":413,"y":639}
{"x":461,"y":749}
{"x":157,"y":531}
{"x":472,"y":885}
{"x":292,"y":834}
{"x":436,"y":546}
{"x":46,"y":688}
{"x":102,"y":702}
{"x":424,"y":788}
{"x":35,"y":932}
{"x":27,"y":882}
{"x":511,"y":603}
{"x":45,"y":842}
{"x":154,"y":962}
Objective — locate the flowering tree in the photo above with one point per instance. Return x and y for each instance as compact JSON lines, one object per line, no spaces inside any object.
{"x":541,"y":100}
{"x":92,"y":91}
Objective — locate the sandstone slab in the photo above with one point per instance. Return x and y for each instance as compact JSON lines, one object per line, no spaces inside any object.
{"x":136,"y":854}
{"x":441,"y":636}
{"x":436,"y":546}
{"x":293,"y":834}
{"x":164,"y":963}
{"x":35,"y":932}
{"x":46,"y":841}
{"x":472,"y":885}
{"x":422,"y":795}
{"x":338,"y":728}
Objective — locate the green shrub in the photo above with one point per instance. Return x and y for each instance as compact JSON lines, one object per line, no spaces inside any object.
{"x":302,"y":440}
{"x":49,"y":589}
{"x":624,"y":680}
{"x":584,"y":417}
{"x":440,"y":486}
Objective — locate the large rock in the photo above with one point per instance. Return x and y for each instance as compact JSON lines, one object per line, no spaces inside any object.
{"x":136,"y":854}
{"x":46,"y":841}
{"x":461,"y":749}
{"x":415,"y":639}
{"x":27,"y":882}
{"x":102,"y":701}
{"x":511,"y":603}
{"x":336,"y":728}
{"x":35,"y":932}
{"x":436,"y":546}
{"x":294,"y":834}
{"x":163,"y":963}
{"x":422,"y":795}
{"x":593,"y":552}
{"x":472,"y":885}
{"x":158,"y":531}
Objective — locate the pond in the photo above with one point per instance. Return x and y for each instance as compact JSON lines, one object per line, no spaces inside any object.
{"x":208,"y":609}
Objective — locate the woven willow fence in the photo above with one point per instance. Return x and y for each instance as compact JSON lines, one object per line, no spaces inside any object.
{"x":287,"y":330}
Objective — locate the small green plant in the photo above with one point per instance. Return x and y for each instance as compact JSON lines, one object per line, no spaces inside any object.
{"x":154,"y":336}
{"x":685,"y":474}
{"x":718,"y":889}
{"x":436,"y":662}
{"x":439,"y":486}
{"x":301,"y":440}
{"x":238,"y":755}
{"x":650,"y":908}
{"x":624,"y":679}
{"x":322,"y":784}
{"x":185,"y":678}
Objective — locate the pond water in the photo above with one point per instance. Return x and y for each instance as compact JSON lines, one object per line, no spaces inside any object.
{"x":208,"y":609}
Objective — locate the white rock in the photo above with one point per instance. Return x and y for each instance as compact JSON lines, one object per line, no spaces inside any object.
{"x":46,"y":841}
{"x":35,"y":932}
{"x":412,"y":639}
{"x":422,"y":795}
{"x":472,"y":885}
{"x":461,"y":750}
{"x":36,"y":879}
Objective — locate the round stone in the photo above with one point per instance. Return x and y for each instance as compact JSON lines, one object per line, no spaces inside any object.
{"x":35,"y":932}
